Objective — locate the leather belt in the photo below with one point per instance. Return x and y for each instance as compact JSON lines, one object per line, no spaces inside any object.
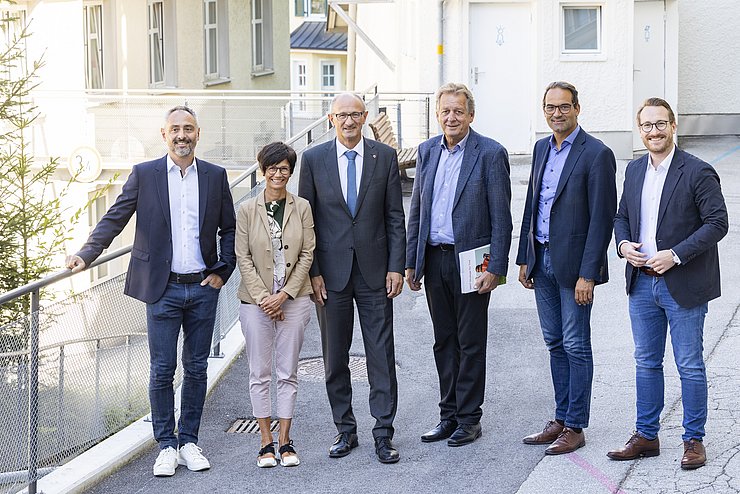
{"x":187,"y":278}
{"x":546,"y":245}
{"x":444,"y":247}
{"x":650,"y":272}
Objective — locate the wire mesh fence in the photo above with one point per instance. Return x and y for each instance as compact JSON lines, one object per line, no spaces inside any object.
{"x":76,"y":371}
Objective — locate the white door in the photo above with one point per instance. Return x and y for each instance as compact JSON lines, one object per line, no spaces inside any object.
{"x":500,"y":73}
{"x":649,"y":57}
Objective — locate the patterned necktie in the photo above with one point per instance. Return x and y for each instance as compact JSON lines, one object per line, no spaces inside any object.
{"x":351,"y":181}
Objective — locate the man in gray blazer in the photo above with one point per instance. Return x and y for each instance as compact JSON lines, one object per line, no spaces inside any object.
{"x":354,"y":189}
{"x":461,"y":201}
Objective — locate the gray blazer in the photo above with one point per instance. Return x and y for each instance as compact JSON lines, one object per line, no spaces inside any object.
{"x":376,"y":234}
{"x":481,"y":211}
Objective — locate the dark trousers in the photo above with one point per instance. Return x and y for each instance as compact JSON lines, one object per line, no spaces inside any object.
{"x":336,"y":320}
{"x":460,"y":335}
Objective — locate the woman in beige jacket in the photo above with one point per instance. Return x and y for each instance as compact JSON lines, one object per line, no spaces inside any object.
{"x":274,"y":250}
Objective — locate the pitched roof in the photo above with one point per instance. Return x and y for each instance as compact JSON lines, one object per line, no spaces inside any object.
{"x":312,"y":35}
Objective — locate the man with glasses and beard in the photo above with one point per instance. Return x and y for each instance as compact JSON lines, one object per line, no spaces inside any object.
{"x":354,"y":189}
{"x":565,"y":234}
{"x":183,"y":204}
{"x":671,"y":216}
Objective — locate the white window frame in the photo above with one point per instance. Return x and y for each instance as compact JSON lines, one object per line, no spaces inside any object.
{"x":157,"y":31}
{"x":215,"y":71}
{"x":94,"y":77}
{"x":308,"y":9}
{"x":262,"y":61}
{"x":300,"y":83}
{"x":587,"y":54}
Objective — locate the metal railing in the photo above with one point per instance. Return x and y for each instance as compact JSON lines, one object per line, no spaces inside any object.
{"x":60,"y":395}
{"x":80,"y":370}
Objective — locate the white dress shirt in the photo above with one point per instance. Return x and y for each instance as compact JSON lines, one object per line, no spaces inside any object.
{"x":652,"y":189}
{"x":342,"y":163}
{"x":184,"y":215}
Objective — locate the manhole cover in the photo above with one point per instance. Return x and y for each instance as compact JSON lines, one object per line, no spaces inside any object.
{"x":312,"y":369}
{"x":250,"y":426}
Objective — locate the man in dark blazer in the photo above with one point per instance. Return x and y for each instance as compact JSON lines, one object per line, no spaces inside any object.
{"x":460,"y":201}
{"x":566,"y":228}
{"x":671,"y":216}
{"x":182,"y":204}
{"x":354,"y":189}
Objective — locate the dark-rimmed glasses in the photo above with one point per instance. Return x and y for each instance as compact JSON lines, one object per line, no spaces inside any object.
{"x":356,"y":115}
{"x":661,"y":125}
{"x":564,"y":108}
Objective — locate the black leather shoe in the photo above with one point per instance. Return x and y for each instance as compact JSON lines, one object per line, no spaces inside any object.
{"x":343,"y":444}
{"x":385,"y":450}
{"x":464,"y":434}
{"x":443,"y":430}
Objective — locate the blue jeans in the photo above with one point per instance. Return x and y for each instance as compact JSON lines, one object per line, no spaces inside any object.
{"x":566,"y":328}
{"x":652,"y":310}
{"x":192,"y":307}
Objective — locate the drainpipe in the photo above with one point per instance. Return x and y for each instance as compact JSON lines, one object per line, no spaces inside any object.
{"x":351,"y":48}
{"x":441,"y":45}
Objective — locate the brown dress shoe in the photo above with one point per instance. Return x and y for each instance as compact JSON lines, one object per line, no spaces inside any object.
{"x":636,"y":447}
{"x":551,"y":432}
{"x":694,"y":454}
{"x":567,"y":442}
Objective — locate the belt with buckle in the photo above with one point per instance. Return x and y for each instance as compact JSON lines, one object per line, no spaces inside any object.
{"x":444,"y":247}
{"x":187,"y":278}
{"x":650,"y":272}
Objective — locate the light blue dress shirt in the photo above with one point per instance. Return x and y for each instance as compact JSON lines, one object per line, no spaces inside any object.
{"x":550,"y":180}
{"x":184,"y":215}
{"x":445,"y":185}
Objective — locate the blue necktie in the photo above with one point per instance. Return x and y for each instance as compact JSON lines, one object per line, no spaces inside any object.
{"x":351,"y":181}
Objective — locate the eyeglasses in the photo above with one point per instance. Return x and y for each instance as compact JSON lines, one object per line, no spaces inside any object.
{"x":272,"y":170}
{"x":564,"y":108}
{"x":648,"y":126}
{"x":356,"y":115}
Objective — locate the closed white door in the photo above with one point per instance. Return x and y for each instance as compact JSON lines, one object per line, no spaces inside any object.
{"x":500,"y":73}
{"x":649,"y":57}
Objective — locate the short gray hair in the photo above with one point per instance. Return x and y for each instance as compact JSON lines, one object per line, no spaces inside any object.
{"x":455,"y":88}
{"x":180,"y":108}
{"x":356,"y":96}
{"x":566,"y":86}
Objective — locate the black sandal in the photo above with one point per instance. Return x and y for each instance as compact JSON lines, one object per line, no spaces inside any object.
{"x":292,"y":459}
{"x":266,"y":462}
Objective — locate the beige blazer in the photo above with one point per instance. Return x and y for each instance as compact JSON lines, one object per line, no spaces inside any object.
{"x":254,"y":254}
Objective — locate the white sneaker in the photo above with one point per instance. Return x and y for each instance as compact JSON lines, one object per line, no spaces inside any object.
{"x":166,"y":463}
{"x":190,"y":455}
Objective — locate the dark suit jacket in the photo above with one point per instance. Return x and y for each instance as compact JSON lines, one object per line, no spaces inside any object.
{"x":582,"y":212}
{"x":146,"y":193}
{"x":692,"y":218}
{"x":481,"y":211}
{"x":376,"y":234}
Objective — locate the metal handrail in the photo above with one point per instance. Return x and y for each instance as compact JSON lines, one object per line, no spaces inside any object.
{"x":71,"y":342}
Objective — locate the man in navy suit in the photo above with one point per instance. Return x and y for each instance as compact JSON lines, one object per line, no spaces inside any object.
{"x":354,"y":189}
{"x":566,"y":228}
{"x":182,"y":204}
{"x":671,"y":216}
{"x":460,"y":201}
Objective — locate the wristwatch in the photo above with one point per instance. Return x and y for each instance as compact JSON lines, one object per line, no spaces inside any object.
{"x":676,"y":259}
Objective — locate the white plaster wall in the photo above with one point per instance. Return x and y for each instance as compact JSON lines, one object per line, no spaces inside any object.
{"x":407,"y":33}
{"x":604,"y":83}
{"x":708,"y":67}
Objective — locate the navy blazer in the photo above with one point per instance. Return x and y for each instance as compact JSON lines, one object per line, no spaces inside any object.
{"x":145,"y":192}
{"x":582,"y":211}
{"x":376,"y":235}
{"x":692,"y":219}
{"x":481,"y":211}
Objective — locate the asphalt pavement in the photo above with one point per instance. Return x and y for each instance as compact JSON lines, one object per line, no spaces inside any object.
{"x":518,"y":400}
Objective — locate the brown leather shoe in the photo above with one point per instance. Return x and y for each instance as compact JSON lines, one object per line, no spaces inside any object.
{"x":636,"y":447}
{"x":694,"y":455}
{"x":567,"y":442}
{"x":551,"y":432}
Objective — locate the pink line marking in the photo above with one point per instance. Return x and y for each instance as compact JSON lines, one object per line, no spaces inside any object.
{"x":595,"y":473}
